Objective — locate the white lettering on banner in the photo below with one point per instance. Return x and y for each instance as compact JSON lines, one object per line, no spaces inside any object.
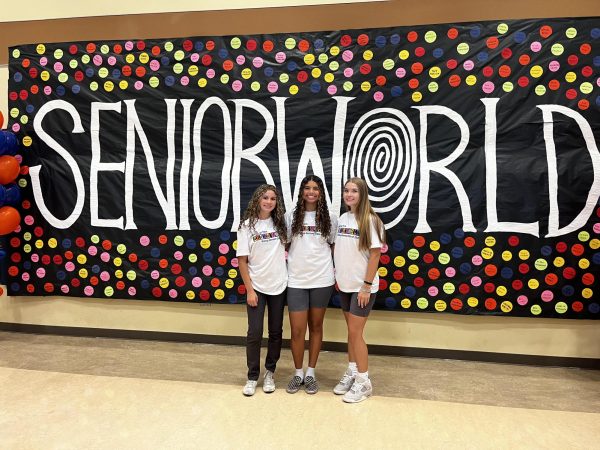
{"x":382,"y":149}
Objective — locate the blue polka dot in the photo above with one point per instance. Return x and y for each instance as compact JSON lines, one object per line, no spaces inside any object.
{"x":164,"y":61}
{"x":475,"y":32}
{"x":232,"y":299}
{"x":155,"y":252}
{"x":190,"y":243}
{"x":75,"y":89}
{"x":482,"y":56}
{"x":61,"y":275}
{"x":116,"y":73}
{"x":568,"y":290}
{"x":208,"y":256}
{"x":268,"y":71}
{"x":506,"y":273}
{"x":219,"y":271}
{"x":336,"y":300}
{"x":223,"y":53}
{"x":395,"y":39}
{"x":96,"y":268}
{"x":30,"y":108}
{"x":145,"y":284}
{"x":465,"y":268}
{"x":410,"y":291}
{"x":315,"y":87}
{"x":89,"y":72}
{"x":519,"y":37}
{"x":459,"y":233}
{"x":595,"y":33}
{"x":390,"y":303}
{"x":396,"y":91}
{"x":445,"y":238}
{"x":193,"y":271}
{"x":225,"y":235}
{"x":27,"y":265}
{"x":598,"y":100}
{"x":594,"y":308}
{"x":292,"y":66}
{"x":66,"y":243}
{"x":438,"y":52}
{"x":15,"y":287}
{"x":199,"y":46}
{"x":380,"y":41}
{"x":18,"y":77}
{"x":398,"y":245}
{"x":596,"y":60}
{"x":596,"y":258}
{"x":546,"y":250}
{"x":457,"y":252}
{"x":60,"y":90}
{"x":319,"y":44}
{"x":170,"y":80}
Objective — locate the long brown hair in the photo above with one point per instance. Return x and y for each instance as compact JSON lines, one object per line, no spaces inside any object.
{"x":322,"y":218}
{"x":365,"y":215}
{"x":253,"y":210}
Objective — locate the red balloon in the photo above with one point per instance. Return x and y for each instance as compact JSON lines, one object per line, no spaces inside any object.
{"x":9,"y":220}
{"x":1,"y":120}
{"x":9,"y":169}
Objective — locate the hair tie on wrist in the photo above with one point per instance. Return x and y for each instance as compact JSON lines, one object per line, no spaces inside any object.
{"x":366,"y":282}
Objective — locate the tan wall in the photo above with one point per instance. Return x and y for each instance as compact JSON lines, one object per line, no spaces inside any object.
{"x":535,"y":336}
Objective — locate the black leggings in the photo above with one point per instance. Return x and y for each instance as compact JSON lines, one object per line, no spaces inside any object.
{"x":256,"y":314}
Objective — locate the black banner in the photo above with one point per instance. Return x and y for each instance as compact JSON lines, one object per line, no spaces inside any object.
{"x":478,"y":142}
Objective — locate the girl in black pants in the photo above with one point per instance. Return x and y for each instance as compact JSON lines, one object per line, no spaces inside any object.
{"x":261,"y":255}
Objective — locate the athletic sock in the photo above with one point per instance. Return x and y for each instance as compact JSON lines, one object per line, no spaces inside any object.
{"x":353,"y":368}
{"x":300,"y":373}
{"x":310,"y":372}
{"x":363,"y":375}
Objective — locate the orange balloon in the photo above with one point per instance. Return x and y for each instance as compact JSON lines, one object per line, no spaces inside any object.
{"x":9,"y":169}
{"x":9,"y":220}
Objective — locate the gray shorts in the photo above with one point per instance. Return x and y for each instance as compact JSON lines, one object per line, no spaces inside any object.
{"x":349,"y":303}
{"x":303,"y":299}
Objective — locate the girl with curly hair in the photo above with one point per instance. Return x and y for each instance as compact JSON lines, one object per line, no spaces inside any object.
{"x":261,"y":242}
{"x":360,"y":236}
{"x":311,"y":230}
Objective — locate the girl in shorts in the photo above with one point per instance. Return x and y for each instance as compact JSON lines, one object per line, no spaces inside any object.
{"x":360,"y":236}
{"x":261,"y":241}
{"x":311,"y":230}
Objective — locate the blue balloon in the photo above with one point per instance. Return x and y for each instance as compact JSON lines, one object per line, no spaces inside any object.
{"x":2,"y":195}
{"x":8,"y":143}
{"x":12,"y":194}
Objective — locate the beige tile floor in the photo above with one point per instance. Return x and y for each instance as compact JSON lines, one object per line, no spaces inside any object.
{"x":85,"y":393}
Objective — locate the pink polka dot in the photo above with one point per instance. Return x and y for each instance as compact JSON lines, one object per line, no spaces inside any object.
{"x":378,"y":96}
{"x":195,"y":57}
{"x":29,"y":220}
{"x":257,"y":62}
{"x":16,"y":127}
{"x":331,"y":90}
{"x":104,"y":275}
{"x":223,"y":248}
{"x":131,"y":291}
{"x":522,"y":300}
{"x":477,"y":260}
{"x":554,"y":66}
{"x":272,"y":87}
{"x":347,"y":55}
{"x":596,"y":225}
{"x":35,"y":257}
{"x":138,"y":85}
{"x":88,"y":290}
{"x":112,"y":60}
{"x":47,"y":90}
{"x":178,"y":255}
{"x":70,"y":267}
{"x":348,"y":72}
{"x":172,"y":293}
{"x":155,"y":274}
{"x":97,"y":60}
{"x":433,"y":291}
{"x":236,"y":85}
{"x":105,"y":257}
{"x":64,"y":289}
{"x":207,"y":270}
{"x":241,"y":59}
{"x":450,"y":271}
{"x":184,"y":81}
{"x":476,"y":281}
{"x":280,"y":57}
{"x":58,"y":67}
{"x":535,"y":46}
{"x":384,"y":248}
{"x":234,"y":262}
{"x":468,"y":65}
{"x":25,"y":276}
{"x":487,"y":87}
{"x":144,"y":240}
{"x":196,"y":282}
{"x":92,"y":250}
{"x":547,"y":296}
{"x":43,"y":61}
{"x":400,"y":72}
{"x":128,"y":45}
{"x":41,"y":272}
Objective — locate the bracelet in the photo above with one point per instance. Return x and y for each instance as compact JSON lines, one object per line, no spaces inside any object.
{"x":369,"y":283}
{"x":365,"y":291}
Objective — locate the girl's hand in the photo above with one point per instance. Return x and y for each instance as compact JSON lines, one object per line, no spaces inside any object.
{"x":363,"y":298}
{"x":252,"y":299}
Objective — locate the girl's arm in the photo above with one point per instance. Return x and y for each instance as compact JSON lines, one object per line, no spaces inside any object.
{"x":251,"y":297}
{"x":364,"y":295}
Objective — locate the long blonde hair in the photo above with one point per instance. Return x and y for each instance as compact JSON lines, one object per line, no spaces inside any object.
{"x":365,"y":216}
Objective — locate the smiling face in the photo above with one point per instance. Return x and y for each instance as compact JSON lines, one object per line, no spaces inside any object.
{"x":267,"y":203}
{"x":351,"y":195}
{"x":310,"y":195}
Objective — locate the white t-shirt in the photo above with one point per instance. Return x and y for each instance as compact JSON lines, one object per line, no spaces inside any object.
{"x":350,"y":262}
{"x":309,"y":256}
{"x":266,"y":256}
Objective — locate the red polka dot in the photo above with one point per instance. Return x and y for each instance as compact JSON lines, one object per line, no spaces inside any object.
{"x":577,"y":306}
{"x":419,"y":282}
{"x":412,"y":36}
{"x":490,"y":304}
{"x":573,"y":60}
{"x":156,"y":291}
{"x":433,"y":274}
{"x":398,"y":275}
{"x":492,"y":42}
{"x":524,"y":59}
{"x":545,"y":31}
{"x":204,"y":295}
{"x":517,"y":285}
{"x":428,"y":258}
{"x":456,"y":304}
{"x":452,"y":33}
{"x":187,"y":45}
{"x":585,"y":49}
{"x":506,"y":53}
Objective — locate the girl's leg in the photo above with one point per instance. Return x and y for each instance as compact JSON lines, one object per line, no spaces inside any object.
{"x":254,"y":337}
{"x":356,"y":325}
{"x":298,"y":323}
{"x":315,"y":327}
{"x":351,"y":354}
{"x":275,"y":303}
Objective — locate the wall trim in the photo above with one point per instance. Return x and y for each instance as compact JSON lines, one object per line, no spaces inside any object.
{"x":390,"y":350}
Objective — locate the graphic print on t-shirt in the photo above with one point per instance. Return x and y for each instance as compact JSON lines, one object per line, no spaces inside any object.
{"x":310,"y":229}
{"x":265,"y":236}
{"x":348,"y":232}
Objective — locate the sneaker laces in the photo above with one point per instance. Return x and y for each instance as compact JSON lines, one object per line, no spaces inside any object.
{"x":346,"y":378}
{"x":269,"y":377}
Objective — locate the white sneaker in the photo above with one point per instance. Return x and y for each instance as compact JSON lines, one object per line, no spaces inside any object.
{"x":345,"y":383}
{"x":269,"y":382}
{"x":360,"y":390}
{"x":249,"y":388}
